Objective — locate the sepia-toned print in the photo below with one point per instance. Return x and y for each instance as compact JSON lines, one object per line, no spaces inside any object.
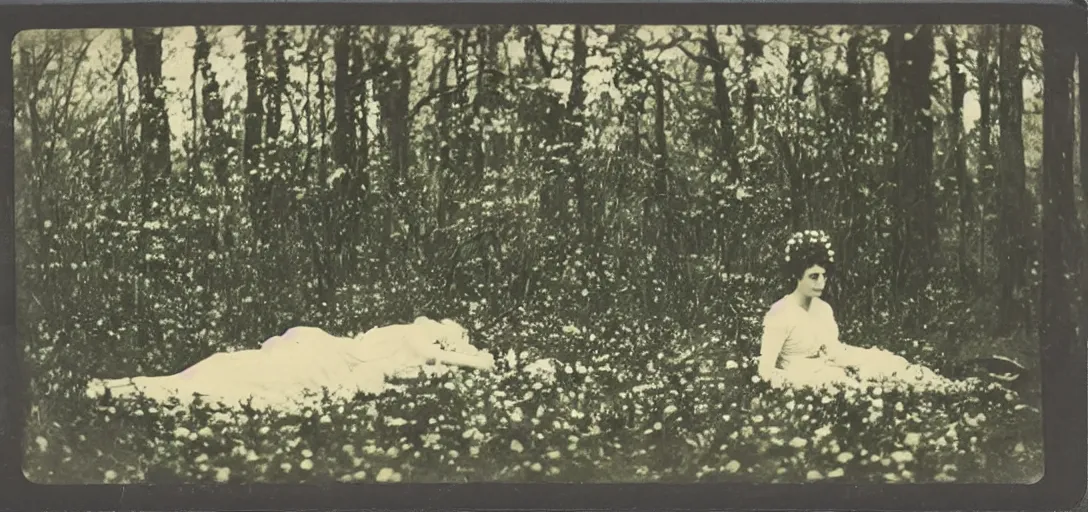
{"x":315,"y":254}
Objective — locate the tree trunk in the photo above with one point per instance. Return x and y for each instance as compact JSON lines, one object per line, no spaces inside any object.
{"x":552,"y":189}
{"x":793,"y":156}
{"x":196,"y":150}
{"x":959,"y":152}
{"x":852,"y":152}
{"x":343,"y":147}
{"x":1011,"y":194}
{"x":154,"y":128}
{"x":275,"y":93}
{"x":915,"y":241}
{"x":576,"y":132}
{"x":985,"y":124}
{"x":155,"y":164}
{"x":444,"y":121}
{"x":254,"y":120}
{"x":217,"y":139}
{"x":394,"y":100}
{"x":854,"y":85}
{"x":722,"y":104}
{"x":343,"y":126}
{"x":122,"y":108}
{"x":662,"y":191}
{"x":753,"y":52}
{"x":357,"y":183}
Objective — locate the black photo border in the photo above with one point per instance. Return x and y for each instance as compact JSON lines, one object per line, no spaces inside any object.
{"x":1064,"y":362}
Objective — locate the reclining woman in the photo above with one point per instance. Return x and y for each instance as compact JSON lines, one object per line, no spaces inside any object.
{"x":800,"y":346}
{"x":308,"y":359}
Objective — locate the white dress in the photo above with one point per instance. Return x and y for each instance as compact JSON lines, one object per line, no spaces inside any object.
{"x":308,"y":360}
{"x":810,"y":353}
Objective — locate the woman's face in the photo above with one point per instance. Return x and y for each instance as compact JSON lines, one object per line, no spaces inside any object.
{"x":812,"y":282}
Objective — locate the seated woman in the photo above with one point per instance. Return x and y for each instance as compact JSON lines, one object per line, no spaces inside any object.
{"x":800,"y":344}
{"x":308,"y":359}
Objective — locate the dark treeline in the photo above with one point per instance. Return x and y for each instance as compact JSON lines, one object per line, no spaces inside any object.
{"x":346,"y":177}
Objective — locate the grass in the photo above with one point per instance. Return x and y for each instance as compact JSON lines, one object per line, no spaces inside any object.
{"x":623,"y":405}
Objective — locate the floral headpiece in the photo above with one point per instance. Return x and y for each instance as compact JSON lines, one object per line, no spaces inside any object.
{"x":808,"y":241}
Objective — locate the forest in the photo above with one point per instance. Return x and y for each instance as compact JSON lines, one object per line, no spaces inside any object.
{"x":614,"y":197}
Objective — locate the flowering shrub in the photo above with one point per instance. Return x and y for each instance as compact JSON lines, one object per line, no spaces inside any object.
{"x":634,"y":412}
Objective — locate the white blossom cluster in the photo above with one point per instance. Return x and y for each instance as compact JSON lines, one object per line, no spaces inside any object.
{"x":810,"y":238}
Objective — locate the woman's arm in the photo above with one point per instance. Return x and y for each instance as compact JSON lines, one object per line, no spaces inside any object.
{"x":838,"y":352}
{"x":482,"y":361}
{"x":844,"y":355}
{"x":775,"y":332}
{"x":850,"y":356}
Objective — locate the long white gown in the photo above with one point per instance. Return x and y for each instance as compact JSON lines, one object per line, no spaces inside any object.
{"x":309,"y":360}
{"x":810,"y":353}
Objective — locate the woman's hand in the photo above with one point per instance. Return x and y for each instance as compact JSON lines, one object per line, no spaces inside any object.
{"x":488,"y":360}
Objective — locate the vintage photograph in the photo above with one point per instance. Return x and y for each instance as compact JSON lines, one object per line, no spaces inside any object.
{"x":319,"y":254}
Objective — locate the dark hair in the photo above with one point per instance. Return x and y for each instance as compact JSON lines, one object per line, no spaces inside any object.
{"x":804,"y":254}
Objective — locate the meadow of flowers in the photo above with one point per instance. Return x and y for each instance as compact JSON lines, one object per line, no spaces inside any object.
{"x":615,"y":409}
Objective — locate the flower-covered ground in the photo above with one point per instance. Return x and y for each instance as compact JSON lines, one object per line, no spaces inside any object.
{"x":621,"y":406}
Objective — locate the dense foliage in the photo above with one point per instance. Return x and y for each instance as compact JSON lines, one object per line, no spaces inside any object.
{"x":612,"y":197}
{"x":651,"y":416}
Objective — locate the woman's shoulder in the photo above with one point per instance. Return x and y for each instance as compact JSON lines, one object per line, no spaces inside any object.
{"x":823,"y":305}
{"x":780,"y":310}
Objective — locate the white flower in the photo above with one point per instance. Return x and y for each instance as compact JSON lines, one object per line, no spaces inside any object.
{"x":516,"y":446}
{"x":845,"y":457}
{"x":902,"y":456}
{"x":306,"y":464}
{"x":912,"y":439}
{"x":797,"y":442}
{"x":222,"y":475}
{"x":388,"y":475}
{"x":733,"y":466}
